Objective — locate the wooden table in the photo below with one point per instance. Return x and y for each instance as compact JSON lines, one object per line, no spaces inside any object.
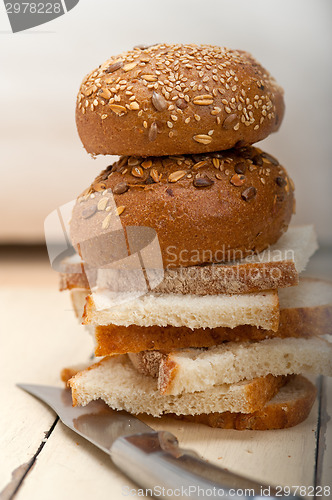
{"x":43,"y":460}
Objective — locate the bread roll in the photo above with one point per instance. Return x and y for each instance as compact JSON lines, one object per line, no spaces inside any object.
{"x":177,"y":99}
{"x":216,"y":207}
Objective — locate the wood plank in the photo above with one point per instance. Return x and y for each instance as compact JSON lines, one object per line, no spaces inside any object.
{"x":71,"y":467}
{"x":79,"y":469}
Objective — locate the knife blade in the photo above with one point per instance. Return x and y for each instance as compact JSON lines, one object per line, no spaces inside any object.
{"x":96,"y":422}
{"x":151,"y":459}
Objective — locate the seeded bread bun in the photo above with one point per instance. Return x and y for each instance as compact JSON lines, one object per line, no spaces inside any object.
{"x":177,"y":99}
{"x":208,"y":208}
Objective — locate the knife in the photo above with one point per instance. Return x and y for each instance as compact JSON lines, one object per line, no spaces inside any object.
{"x":153,"y":460}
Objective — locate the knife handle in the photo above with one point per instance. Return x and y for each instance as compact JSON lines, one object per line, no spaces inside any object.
{"x":155,"y":461}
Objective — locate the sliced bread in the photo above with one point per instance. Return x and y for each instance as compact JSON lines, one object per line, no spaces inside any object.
{"x":193,"y":311}
{"x":289,"y":407}
{"x":117,"y":382}
{"x":305,"y":311}
{"x":276,"y":267}
{"x":191,"y":370}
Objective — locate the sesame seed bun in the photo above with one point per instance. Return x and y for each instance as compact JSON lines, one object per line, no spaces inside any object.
{"x":177,"y":99}
{"x":212,"y":207}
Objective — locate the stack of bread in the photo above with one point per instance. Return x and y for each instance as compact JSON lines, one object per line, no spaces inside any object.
{"x":222,"y":330}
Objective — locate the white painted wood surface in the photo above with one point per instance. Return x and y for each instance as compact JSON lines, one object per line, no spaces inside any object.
{"x":40,"y":336}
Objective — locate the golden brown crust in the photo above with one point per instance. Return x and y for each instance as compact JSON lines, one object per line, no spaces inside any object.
{"x":294,"y":322}
{"x":264,"y":390}
{"x":75,"y":372}
{"x":277,"y":414}
{"x":176,"y":99}
{"x":67,"y":373}
{"x":70,"y":371}
{"x":232,"y":216}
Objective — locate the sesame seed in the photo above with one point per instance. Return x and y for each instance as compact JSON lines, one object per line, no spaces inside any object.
{"x":149,"y":78}
{"x":102,"y":203}
{"x":128,"y":67}
{"x":176,"y":176}
{"x":120,"y":210}
{"x":106,"y":221}
{"x":202,"y":138}
{"x":117,"y":109}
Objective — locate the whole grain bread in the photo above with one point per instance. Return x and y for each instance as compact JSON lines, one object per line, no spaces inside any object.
{"x":191,"y":370}
{"x":197,"y":217}
{"x":289,"y":407}
{"x":276,"y":267}
{"x":117,"y":382}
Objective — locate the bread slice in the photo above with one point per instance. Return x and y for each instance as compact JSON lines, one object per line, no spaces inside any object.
{"x":305,"y":311}
{"x":289,"y":407}
{"x":117,"y":382}
{"x":276,"y":267}
{"x":191,"y":370}
{"x":193,"y":311}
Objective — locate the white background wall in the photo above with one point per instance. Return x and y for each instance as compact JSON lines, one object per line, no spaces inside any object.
{"x":42,"y":161}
